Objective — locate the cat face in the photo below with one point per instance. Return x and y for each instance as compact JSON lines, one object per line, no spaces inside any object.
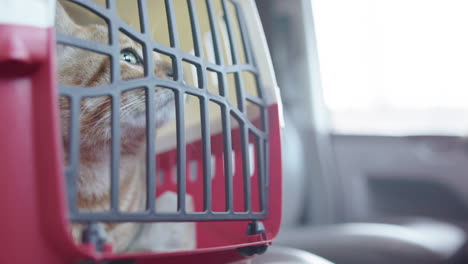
{"x":79,"y":67}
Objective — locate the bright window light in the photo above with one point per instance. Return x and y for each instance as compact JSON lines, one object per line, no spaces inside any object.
{"x":394,"y":66}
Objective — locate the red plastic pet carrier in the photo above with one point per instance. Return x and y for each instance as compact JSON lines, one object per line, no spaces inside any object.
{"x":219,"y":155}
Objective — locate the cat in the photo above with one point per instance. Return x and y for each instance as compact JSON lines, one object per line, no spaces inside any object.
{"x":78,"y":67}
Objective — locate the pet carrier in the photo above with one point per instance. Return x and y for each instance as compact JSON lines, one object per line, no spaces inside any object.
{"x":85,"y":83}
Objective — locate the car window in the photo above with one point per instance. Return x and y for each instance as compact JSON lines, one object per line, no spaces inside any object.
{"x":394,"y":66}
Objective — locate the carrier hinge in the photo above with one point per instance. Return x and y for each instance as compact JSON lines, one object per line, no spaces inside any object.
{"x":256,"y":229}
{"x":95,"y":235}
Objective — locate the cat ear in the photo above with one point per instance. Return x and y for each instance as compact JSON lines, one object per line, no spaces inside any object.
{"x":63,"y":22}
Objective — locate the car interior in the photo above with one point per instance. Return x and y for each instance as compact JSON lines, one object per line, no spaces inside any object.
{"x":359,"y":186}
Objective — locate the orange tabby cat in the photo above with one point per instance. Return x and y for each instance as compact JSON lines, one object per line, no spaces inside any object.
{"x":78,"y":67}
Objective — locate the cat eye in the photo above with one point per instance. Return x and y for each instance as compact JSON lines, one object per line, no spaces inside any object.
{"x":131,"y":56}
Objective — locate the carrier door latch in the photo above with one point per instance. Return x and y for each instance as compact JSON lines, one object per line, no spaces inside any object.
{"x":256,"y":232}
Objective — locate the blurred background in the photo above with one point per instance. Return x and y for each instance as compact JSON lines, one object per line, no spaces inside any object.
{"x":374,"y":149}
